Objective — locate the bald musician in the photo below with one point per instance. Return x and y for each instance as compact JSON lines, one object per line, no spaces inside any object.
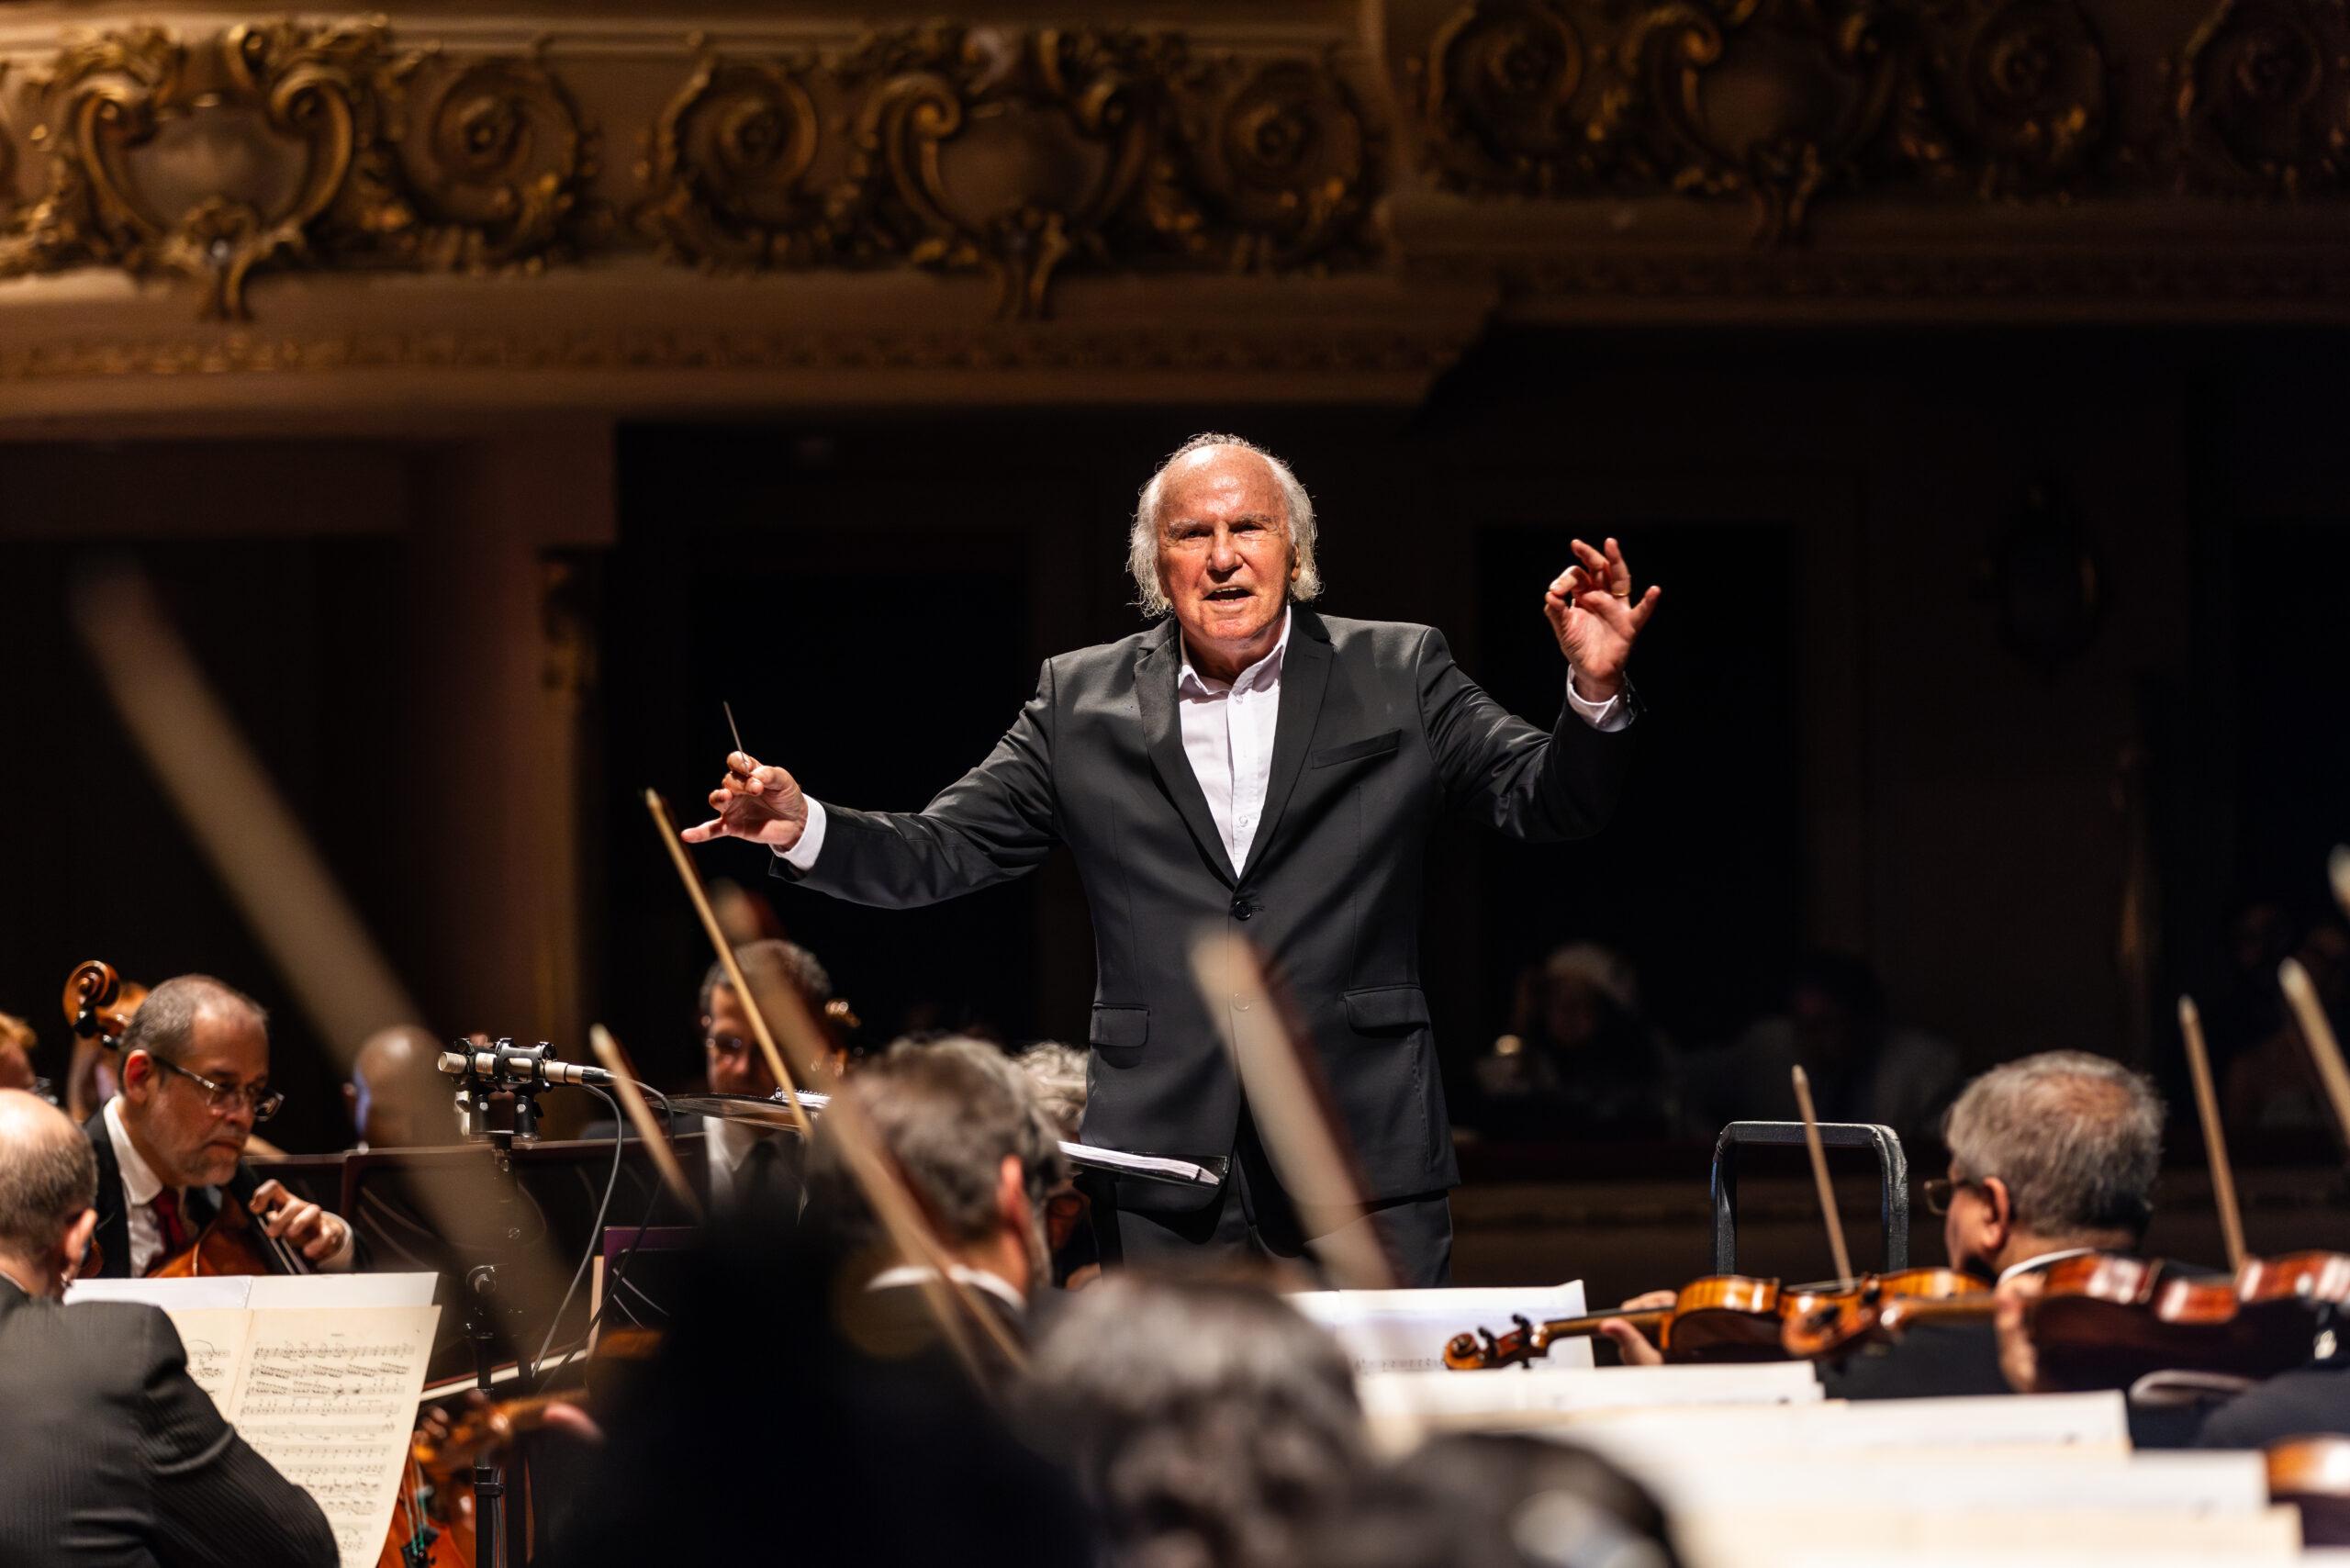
{"x":194,"y":1080}
{"x":109,"y":1452}
{"x":397,"y":1097}
{"x":2050,"y":1157}
{"x":1249,"y":767}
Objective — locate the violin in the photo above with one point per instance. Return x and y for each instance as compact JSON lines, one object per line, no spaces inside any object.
{"x":2313,"y":1474}
{"x":2105,"y":1320}
{"x":1723,"y":1317}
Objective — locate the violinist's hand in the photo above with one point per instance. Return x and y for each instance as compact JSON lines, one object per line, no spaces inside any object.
{"x":1632,"y":1347}
{"x":565,"y":1417}
{"x":2019,"y":1357}
{"x":761,"y":803}
{"x":301,"y":1224}
{"x":1596,"y":619}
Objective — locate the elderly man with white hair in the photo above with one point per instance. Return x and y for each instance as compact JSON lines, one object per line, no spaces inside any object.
{"x":1246,"y":764}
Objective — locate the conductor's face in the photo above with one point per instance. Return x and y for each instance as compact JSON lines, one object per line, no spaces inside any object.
{"x":1224,"y":556}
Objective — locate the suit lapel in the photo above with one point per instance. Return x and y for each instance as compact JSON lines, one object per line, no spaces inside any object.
{"x":1305,"y":675}
{"x":1162,"y":728}
{"x":114,"y":1221}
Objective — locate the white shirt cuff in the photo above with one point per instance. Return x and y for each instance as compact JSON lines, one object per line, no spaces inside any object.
{"x":1613,"y":714}
{"x":803,"y":854}
{"x":340,"y":1258}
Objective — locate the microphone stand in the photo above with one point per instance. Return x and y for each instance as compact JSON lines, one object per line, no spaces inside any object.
{"x":499,"y":1108}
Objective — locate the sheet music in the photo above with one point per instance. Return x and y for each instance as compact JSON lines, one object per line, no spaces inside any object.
{"x":329,"y":1398}
{"x":217,"y":1339}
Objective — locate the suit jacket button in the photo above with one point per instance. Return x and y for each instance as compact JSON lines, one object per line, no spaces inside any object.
{"x":1243,"y":907}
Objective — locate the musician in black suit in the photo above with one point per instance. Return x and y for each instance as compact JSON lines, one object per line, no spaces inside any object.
{"x":109,"y":1452}
{"x":1247,"y":766}
{"x":962,"y":1124}
{"x":195,"y":1079}
{"x":2050,"y":1157}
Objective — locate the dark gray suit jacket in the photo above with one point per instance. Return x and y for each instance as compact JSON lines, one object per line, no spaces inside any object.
{"x":1380,"y":733}
{"x":109,"y":1453}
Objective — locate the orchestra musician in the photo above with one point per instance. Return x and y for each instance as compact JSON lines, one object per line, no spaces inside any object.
{"x":1252,"y":766}
{"x":195,"y":1072}
{"x":108,"y":1450}
{"x":396,"y":1096}
{"x":2050,"y":1156}
{"x":963,"y":1125}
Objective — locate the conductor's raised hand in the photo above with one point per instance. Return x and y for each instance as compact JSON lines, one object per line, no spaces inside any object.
{"x":1596,"y":620}
{"x":755,"y":801}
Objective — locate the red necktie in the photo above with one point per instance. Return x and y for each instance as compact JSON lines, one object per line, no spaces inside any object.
{"x":167,"y":1214}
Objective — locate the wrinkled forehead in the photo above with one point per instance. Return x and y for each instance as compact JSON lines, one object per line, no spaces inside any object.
{"x":227,"y":1042}
{"x":1220,"y":483}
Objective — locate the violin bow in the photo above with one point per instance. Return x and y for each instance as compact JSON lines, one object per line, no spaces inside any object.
{"x":2215,"y":1139}
{"x":1285,"y":1095}
{"x":2337,"y":871}
{"x":951,"y":1300}
{"x":2324,"y":1049}
{"x":1819,"y":1174}
{"x":700,"y":897}
{"x":648,"y":1126}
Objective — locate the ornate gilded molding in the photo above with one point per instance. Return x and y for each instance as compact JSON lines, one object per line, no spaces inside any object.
{"x":292,"y":145}
{"x":1784,"y":102}
{"x":1013,"y":154}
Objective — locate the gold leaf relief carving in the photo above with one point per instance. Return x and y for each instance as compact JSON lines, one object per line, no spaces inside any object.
{"x":2264,"y":98}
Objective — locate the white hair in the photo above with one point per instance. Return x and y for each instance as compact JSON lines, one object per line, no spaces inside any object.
{"x":1143,"y":539}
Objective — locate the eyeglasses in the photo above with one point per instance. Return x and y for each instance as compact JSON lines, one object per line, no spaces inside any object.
{"x":726,"y":1044}
{"x":1940,"y":1190}
{"x":263,"y":1103}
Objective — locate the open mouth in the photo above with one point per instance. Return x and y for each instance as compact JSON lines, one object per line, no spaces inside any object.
{"x":1230,"y":596}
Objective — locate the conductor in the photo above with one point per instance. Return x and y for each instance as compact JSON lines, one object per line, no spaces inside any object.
{"x":1250,"y":765}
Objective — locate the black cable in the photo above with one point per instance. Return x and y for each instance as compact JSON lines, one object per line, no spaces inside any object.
{"x":617,"y":1279}
{"x":595,"y":1232}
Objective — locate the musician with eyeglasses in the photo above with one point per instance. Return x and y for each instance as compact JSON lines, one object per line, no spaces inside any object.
{"x":195,"y":1074}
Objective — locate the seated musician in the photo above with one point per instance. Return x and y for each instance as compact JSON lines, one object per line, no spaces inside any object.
{"x":194,"y":1073}
{"x":398,"y":1097}
{"x":108,"y":1450}
{"x":745,"y":1159}
{"x":2050,"y":1156}
{"x":961,"y":1123}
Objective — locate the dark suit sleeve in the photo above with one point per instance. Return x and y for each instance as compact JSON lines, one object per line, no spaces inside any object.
{"x":1503,"y":771}
{"x":216,"y":1500}
{"x":993,"y":823}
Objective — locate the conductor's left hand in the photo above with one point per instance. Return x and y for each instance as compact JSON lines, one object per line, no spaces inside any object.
{"x":1592,"y":612}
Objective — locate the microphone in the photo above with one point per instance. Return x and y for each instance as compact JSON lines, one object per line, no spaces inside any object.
{"x":505,"y":1065}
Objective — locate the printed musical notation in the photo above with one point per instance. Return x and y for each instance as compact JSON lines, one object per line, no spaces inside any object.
{"x":327,"y":1396}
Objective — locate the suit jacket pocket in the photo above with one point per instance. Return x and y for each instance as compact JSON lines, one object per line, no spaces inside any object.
{"x":1387,"y":1007}
{"x":1118,"y":1033}
{"x":1355,"y":751}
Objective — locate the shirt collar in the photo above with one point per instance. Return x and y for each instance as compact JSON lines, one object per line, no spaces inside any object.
{"x":2031,"y":1264}
{"x":733,"y":1141}
{"x":139,"y":1182}
{"x":1261,"y":672}
{"x":905,"y":1274}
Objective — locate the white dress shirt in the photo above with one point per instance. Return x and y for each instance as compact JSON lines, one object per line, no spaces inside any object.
{"x":141,"y":1186}
{"x":728,"y":1145}
{"x":995,"y":1286}
{"x":1228,"y":737}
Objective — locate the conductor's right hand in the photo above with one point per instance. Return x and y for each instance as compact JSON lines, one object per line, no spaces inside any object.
{"x":760,"y":803}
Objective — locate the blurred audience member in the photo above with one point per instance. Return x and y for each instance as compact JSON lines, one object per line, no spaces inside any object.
{"x":398,"y":1096}
{"x":2269,"y":1085}
{"x":1863,"y":1066}
{"x":964,"y":1127}
{"x":1057,"y":1072}
{"x":1579,"y":1062}
{"x":1206,"y":1421}
{"x":1496,"y":1502}
{"x":16,"y":1043}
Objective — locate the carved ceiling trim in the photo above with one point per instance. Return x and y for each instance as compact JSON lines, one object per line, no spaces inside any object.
{"x":1335,"y":352}
{"x":1785,"y":103}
